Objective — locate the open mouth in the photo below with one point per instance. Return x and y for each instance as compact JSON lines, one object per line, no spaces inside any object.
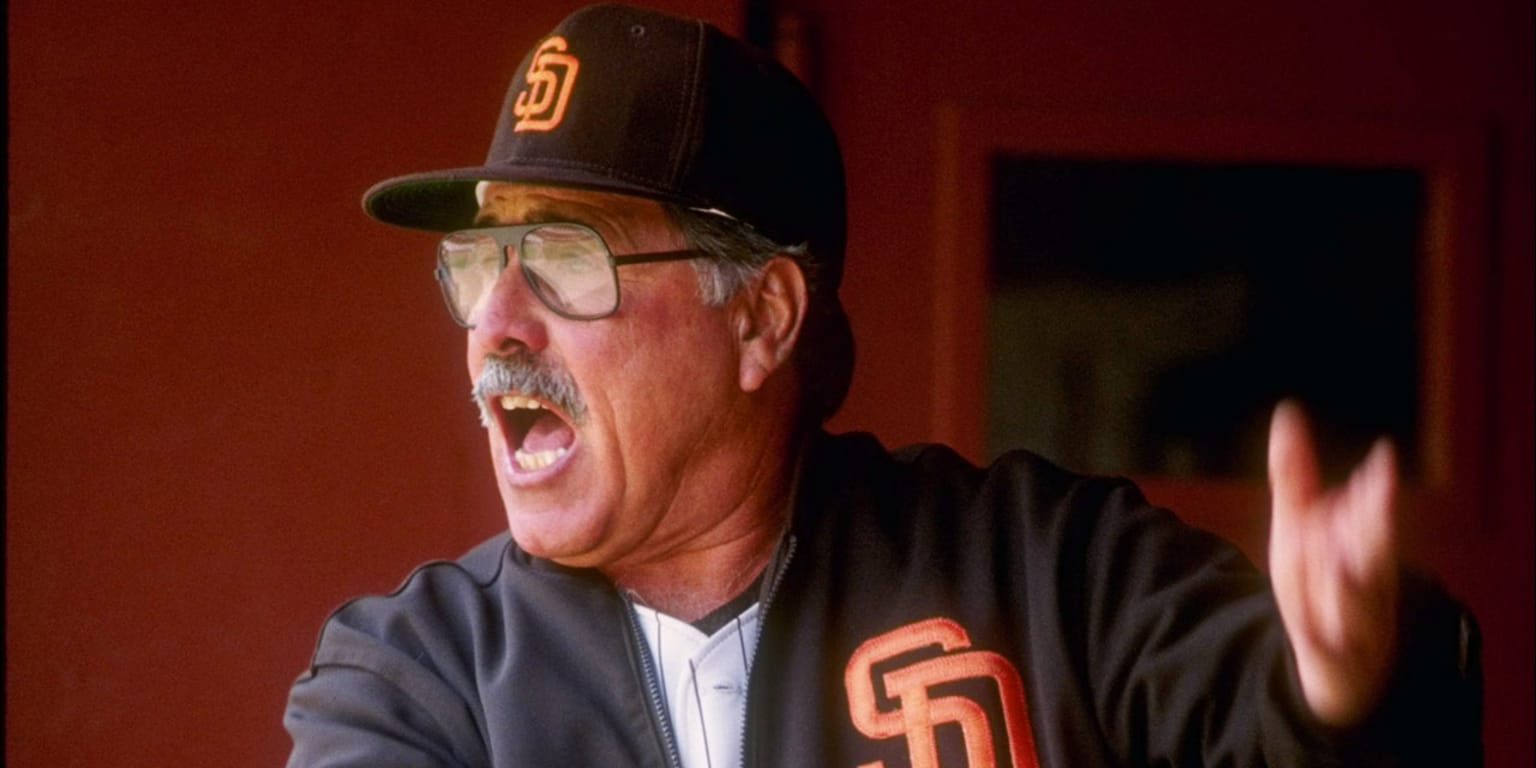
{"x":537,"y":434}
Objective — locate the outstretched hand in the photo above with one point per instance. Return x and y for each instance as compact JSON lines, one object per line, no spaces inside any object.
{"x":1333,"y":562}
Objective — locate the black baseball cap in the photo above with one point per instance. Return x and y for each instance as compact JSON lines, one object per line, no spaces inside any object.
{"x":629,"y":100}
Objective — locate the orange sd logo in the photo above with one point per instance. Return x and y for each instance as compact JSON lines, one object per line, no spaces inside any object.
{"x":541,"y":105}
{"x":916,"y":713}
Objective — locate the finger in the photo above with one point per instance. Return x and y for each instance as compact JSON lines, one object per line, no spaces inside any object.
{"x":1372,"y":498}
{"x":1293,"y":477}
{"x":1377,"y":562}
{"x":1330,"y":599}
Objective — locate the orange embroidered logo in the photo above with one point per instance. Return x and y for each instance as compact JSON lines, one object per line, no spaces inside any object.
{"x":541,"y":105}
{"x":916,"y":713}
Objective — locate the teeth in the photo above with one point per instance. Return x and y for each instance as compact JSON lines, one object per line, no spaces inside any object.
{"x":516,"y":402}
{"x":526,"y":460}
{"x":531,"y":460}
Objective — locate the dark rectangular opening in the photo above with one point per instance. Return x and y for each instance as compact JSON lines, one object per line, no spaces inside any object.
{"x":1146,"y":315}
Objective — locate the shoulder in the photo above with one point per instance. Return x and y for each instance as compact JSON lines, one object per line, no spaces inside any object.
{"x":393,"y":678}
{"x":438,"y":604}
{"x":442,"y":585}
{"x":1020,"y":507}
{"x":935,"y":473}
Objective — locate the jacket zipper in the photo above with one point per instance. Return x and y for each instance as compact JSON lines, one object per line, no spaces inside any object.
{"x":658,"y":709}
{"x":780,"y":568}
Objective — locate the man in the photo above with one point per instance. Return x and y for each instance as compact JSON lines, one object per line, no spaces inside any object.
{"x":696,"y":575}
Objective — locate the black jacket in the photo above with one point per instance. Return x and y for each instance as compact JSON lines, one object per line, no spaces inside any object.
{"x":921,"y":612}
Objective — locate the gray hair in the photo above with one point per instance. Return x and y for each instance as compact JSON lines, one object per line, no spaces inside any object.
{"x":736,"y":252}
{"x":735,"y":255}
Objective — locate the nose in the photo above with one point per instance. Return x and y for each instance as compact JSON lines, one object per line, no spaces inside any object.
{"x":511,"y":316}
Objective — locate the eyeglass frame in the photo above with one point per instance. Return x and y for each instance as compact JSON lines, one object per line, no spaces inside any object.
{"x":506,"y":235}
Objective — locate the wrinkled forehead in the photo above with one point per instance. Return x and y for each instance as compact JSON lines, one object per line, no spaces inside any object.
{"x":615,"y":216}
{"x":483,"y":193}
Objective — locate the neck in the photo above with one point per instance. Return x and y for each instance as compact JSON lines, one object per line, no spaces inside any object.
{"x":739,"y":506}
{"x":689,"y":586}
{"x":709,"y":567}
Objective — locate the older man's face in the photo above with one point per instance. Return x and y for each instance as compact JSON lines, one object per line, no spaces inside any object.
{"x":624,"y":477}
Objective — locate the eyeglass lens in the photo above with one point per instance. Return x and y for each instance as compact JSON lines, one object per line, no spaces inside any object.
{"x":569,"y":268}
{"x":566,"y":265}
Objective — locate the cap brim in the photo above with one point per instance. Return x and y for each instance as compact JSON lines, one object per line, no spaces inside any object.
{"x":443,"y":201}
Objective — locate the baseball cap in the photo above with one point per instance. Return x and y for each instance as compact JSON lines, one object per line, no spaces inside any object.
{"x":634,"y":101}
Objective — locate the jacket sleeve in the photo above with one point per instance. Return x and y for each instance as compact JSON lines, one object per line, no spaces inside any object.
{"x":1432,"y":711}
{"x":1190,"y":665}
{"x":366,"y":703}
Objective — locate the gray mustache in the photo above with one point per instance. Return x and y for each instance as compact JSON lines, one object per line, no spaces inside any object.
{"x":529,"y":374}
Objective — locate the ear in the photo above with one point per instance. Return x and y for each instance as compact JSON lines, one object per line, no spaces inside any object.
{"x":767,"y":317}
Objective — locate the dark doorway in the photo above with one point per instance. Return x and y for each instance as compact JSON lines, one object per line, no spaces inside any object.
{"x":1145,"y":316}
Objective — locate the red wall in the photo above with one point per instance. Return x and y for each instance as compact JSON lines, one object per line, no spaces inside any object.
{"x":234,"y":401}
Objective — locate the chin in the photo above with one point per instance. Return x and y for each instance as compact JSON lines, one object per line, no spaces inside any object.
{"x":549,"y":527}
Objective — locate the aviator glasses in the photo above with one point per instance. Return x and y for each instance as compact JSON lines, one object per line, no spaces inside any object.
{"x":568,"y":266}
